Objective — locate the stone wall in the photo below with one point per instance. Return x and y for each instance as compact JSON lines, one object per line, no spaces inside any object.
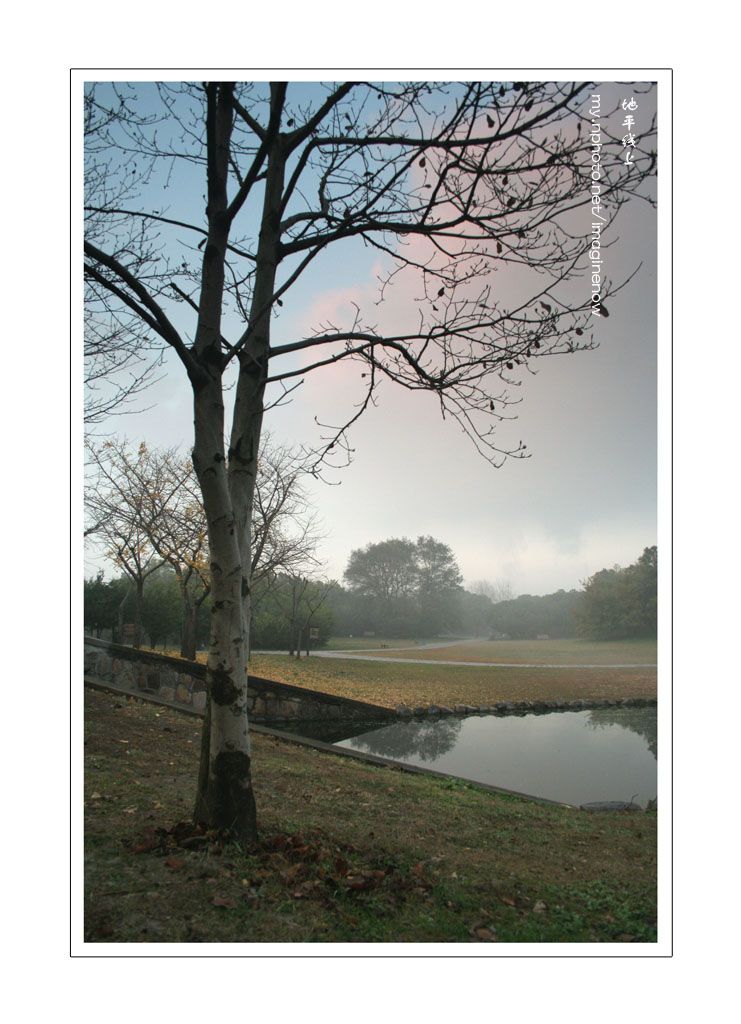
{"x":184,"y":682}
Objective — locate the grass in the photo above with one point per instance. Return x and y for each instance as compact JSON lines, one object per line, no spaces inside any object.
{"x":393,"y":683}
{"x":349,"y":852}
{"x":366,"y":643}
{"x":540,"y":652}
{"x":390,"y":683}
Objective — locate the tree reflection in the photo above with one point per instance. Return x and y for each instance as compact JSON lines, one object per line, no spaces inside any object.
{"x":639,"y":720}
{"x":427,"y":739}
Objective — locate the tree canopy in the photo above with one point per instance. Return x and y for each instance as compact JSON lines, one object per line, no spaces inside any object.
{"x":404,"y":587}
{"x":618,"y":604}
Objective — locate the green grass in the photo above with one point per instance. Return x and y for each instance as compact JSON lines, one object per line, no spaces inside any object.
{"x":350,"y":852}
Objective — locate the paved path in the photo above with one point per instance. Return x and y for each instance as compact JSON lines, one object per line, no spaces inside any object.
{"x":469,"y":664}
{"x":355,"y":655}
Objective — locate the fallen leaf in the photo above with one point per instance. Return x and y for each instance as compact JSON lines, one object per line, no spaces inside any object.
{"x":224,"y":901}
{"x":174,"y":863}
{"x":508,"y":901}
{"x":539,"y":907}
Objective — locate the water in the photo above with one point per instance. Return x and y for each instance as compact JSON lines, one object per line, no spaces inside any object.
{"x":573,"y":757}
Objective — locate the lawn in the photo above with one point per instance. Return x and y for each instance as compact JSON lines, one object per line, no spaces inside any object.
{"x":538,"y":652}
{"x":366,"y":643}
{"x":392,"y":683}
{"x":349,"y":852}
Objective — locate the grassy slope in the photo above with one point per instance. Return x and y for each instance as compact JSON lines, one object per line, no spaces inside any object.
{"x":358,"y":852}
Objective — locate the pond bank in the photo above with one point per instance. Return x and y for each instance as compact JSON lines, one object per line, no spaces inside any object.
{"x":351,"y":851}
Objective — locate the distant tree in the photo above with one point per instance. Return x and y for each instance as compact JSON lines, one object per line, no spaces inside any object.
{"x":285,"y":528}
{"x":448,"y":182}
{"x":475,"y":612}
{"x":101,"y":603}
{"x":289,"y":610}
{"x":162,"y":609}
{"x":499,"y":590}
{"x":300,"y":600}
{"x":408,"y":587}
{"x":529,"y":616}
{"x":439,"y":583}
{"x":120,"y":516}
{"x":387,"y":570}
{"x":149,"y":494}
{"x":153,"y":493}
{"x":618,"y":604}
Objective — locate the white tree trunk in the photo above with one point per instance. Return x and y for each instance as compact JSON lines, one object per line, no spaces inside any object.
{"x":225,"y":798}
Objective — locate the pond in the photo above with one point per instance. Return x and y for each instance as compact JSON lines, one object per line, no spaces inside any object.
{"x":572,"y":757}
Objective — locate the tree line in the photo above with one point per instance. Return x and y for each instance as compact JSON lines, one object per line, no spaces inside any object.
{"x":143,"y":507}
{"x":290,"y":613}
{"x":404,"y":588}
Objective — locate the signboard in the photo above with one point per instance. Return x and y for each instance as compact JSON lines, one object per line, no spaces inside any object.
{"x":314,"y":633}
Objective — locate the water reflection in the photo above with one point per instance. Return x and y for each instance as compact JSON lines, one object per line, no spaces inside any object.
{"x":642,"y":721}
{"x":571,"y":757}
{"x":422,"y":739}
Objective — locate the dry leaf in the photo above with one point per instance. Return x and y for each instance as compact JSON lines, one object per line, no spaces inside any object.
{"x":224,"y":901}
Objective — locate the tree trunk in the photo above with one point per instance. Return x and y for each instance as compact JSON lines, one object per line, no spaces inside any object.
{"x":188,"y":642}
{"x":225,"y":798}
{"x":138,"y":606}
{"x":120,"y":617}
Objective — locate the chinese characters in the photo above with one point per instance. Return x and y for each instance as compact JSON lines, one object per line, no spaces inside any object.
{"x":629,"y":140}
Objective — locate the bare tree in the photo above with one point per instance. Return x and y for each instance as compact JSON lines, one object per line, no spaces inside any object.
{"x":153,"y":495}
{"x":300,"y":599}
{"x":120,"y":517}
{"x":448,"y":183}
{"x":122,"y":355}
{"x":285,"y":529}
{"x":499,"y":590}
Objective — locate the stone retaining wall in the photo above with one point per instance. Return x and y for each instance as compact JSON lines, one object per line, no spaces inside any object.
{"x":523,"y":707}
{"x":184,"y":682}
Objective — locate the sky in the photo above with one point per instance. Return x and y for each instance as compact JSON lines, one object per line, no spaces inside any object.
{"x":585,"y":499}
